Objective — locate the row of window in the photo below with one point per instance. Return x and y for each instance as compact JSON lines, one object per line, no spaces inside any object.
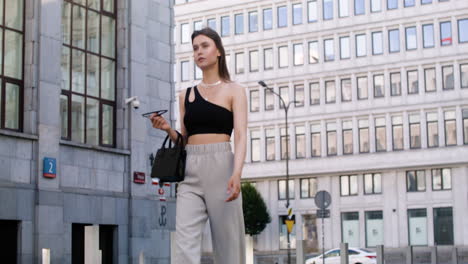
{"x":345,"y":48}
{"x":297,"y":13}
{"x":418,"y":230}
{"x":372,"y":182}
{"x":362,"y":137}
{"x":360,"y":87}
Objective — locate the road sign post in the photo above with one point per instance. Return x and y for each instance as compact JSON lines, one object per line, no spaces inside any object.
{"x":323,"y":201}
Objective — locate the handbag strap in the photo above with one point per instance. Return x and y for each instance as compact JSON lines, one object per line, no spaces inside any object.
{"x":179,"y":141}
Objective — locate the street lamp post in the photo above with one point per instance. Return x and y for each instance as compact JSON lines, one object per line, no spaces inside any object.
{"x":286,"y":108}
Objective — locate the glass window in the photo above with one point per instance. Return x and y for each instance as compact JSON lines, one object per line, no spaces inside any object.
{"x":285,"y":149}
{"x":424,"y":2}
{"x":343,"y":8}
{"x":377,"y":43}
{"x":283,"y":239}
{"x":443,"y":226}
{"x":239,"y":20}
{"x":282,"y":189}
{"x":350,"y":229}
{"x":363,"y":136}
{"x":284,"y":93}
{"x":327,"y":9}
{"x":283,"y":56}
{"x":380,"y":135}
{"x":450,"y":128}
{"x":329,"y":50}
{"x":269,"y":100}
{"x":416,"y":181}
{"x":299,"y":95}
{"x":362,"y":87}
{"x":397,"y":132}
{"x":90,"y":104}
{"x":331,"y":139}
{"x":411,"y":42}
{"x":446,"y":33}
{"x":298,"y":54}
{"x":316,"y":140}
{"x":270,"y":144}
{"x":359,"y":7}
{"x":447,"y":78}
{"x":197,"y":25}
{"x":395,"y":82}
{"x":297,"y":14}
{"x":198,"y":73}
{"x":361,"y":48}
{"x":413,"y":84}
{"x":330,"y":92}
{"x":282,"y":16}
{"x":430,"y":80}
{"x":308,"y":187}
{"x":349,"y":185}
{"x":415,"y":131}
{"x":253,"y":60}
{"x":464,"y":75}
{"x":268,"y":58}
{"x":184,"y":70}
{"x":254,"y":101}
{"x":347,"y":137}
{"x":346,"y":95}
{"x":314,"y":93}
{"x":300,"y":142}
{"x":376,"y":5}
{"x":225,"y":26}
{"x":417,"y":227}
{"x":267,"y":19}
{"x":253,"y":21}
{"x":374,"y":228}
{"x":239,"y":63}
{"x":185,"y":33}
{"x":344,"y":48}
{"x":428,"y":36}
{"x":372,"y":183}
{"x":255,"y":145}
{"x":441,"y":179}
{"x":465,"y":126}
{"x":314,"y":52}
{"x":212,"y":23}
{"x":409,"y":3}
{"x":394,"y":40}
{"x":379,"y":89}
{"x":432,"y":130}
{"x":312,"y":11}
{"x":462,"y":30}
{"x":392,"y":4}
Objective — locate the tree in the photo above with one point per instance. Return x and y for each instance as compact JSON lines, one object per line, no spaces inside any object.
{"x":256,"y":216}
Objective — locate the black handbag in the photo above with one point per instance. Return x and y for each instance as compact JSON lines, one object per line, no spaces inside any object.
{"x":169,"y":163}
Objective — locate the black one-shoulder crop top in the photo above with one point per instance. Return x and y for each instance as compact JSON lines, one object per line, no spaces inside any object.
{"x":204,"y":117}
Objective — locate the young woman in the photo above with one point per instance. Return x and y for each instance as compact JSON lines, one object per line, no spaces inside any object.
{"x":209,"y":112}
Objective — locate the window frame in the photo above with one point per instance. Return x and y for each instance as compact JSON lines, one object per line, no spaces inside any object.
{"x":377,"y":138}
{"x":343,"y":140}
{"x":225,"y":19}
{"x":326,"y":92}
{"x":424,"y":36}
{"x":390,"y":40}
{"x":291,"y":197}
{"x":408,"y":72}
{"x":252,"y":139}
{"x":348,"y":48}
{"x":394,"y":126}
{"x":391,"y":83}
{"x":308,"y":180}
{"x":299,"y":103}
{"x":278,"y":14}
{"x":328,"y":132}
{"x":250,"y":13}
{"x":279,"y":57}
{"x":294,"y":54}
{"x":251,"y":93}
{"x":442,"y":185}
{"x":250,"y":61}
{"x":309,"y":20}
{"x":356,"y":45}
{"x":415,"y":39}
{"x":266,"y":144}
{"x":265,"y":91}
{"x":415,"y":172}
{"x":459,"y":30}
{"x":381,"y":43}
{"x":350,"y":89}
{"x":293,"y":14}
{"x":374,"y":86}
{"x":311,"y":102}
{"x":349,"y":185}
{"x":264,"y":18}
{"x":236,"y":16}
{"x":296,"y":135}
{"x":239,"y":70}
{"x":444,"y":87}
{"x":265,"y":68}
{"x":454,"y":120}
{"x":360,"y":130}
{"x":425,"y":80}
{"x":319,"y":148}
{"x":366,"y":88}
{"x":440,"y":31}
{"x":461,"y":75}
{"x":410,"y":133}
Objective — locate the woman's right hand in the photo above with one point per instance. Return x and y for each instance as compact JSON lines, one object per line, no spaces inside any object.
{"x":159,"y":122}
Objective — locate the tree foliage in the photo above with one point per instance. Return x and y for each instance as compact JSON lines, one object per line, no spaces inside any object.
{"x":256,"y":216}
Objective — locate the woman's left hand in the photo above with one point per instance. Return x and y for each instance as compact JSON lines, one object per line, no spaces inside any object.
{"x":234,"y":188}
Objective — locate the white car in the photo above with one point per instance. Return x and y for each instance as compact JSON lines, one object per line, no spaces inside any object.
{"x":356,"y":256}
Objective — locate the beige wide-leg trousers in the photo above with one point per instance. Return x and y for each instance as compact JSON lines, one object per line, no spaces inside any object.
{"x":201,"y":196}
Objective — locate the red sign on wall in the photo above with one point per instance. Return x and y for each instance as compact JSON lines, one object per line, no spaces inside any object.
{"x":139,"y":177}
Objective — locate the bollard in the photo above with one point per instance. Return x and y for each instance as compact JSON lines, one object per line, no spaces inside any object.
{"x":300,"y":251}
{"x":344,"y":253}
{"x":45,"y":256}
{"x":141,"y":258}
{"x":434,"y":255}
{"x":454,"y":255}
{"x":409,"y":255}
{"x":380,"y":254}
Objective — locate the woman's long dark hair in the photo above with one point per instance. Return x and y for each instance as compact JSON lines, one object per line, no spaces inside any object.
{"x":222,"y":68}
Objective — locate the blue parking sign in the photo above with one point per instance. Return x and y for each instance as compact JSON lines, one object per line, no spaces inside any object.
{"x":50,"y":168}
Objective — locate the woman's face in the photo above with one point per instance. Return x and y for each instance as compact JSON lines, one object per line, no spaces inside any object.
{"x":205,"y":52}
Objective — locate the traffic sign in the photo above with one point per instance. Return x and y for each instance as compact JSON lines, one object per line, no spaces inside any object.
{"x":322,"y":199}
{"x":289,"y":225}
{"x":323,"y":213}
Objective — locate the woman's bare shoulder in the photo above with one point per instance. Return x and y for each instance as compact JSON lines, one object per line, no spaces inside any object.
{"x":236,"y":89}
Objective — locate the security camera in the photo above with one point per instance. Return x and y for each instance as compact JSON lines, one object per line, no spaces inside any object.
{"x":134,"y":102}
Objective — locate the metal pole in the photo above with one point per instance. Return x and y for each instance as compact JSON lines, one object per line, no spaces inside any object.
{"x":323,"y":241}
{"x":287,"y":172}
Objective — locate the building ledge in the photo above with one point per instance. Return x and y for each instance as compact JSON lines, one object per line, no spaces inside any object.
{"x":93,"y":147}
{"x":21,"y":135}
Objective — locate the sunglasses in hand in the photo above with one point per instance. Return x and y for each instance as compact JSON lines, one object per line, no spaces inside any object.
{"x":158,"y":113}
